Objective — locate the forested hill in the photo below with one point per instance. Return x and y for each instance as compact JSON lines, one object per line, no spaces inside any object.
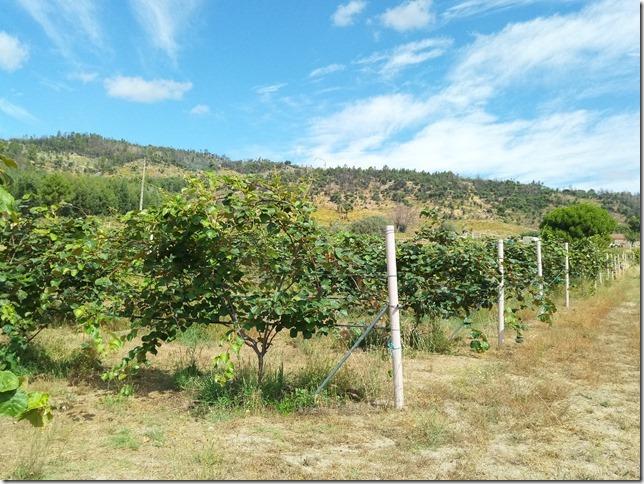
{"x":81,"y":157}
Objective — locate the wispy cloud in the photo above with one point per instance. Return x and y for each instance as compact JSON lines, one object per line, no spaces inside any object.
{"x":468,"y":8}
{"x":270,"y":89}
{"x":366,"y":124}
{"x":13,"y":53}
{"x":584,"y":42}
{"x":409,"y":15}
{"x":83,"y":76}
{"x":67,"y":21}
{"x":392,"y":61}
{"x":137,"y":89}
{"x":452,"y":129}
{"x":164,"y":20}
{"x":326,"y":70}
{"x":200,"y":110}
{"x":346,"y":13}
{"x":16,"y":112}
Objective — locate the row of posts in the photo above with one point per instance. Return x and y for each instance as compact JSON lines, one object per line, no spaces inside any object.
{"x":618,"y":263}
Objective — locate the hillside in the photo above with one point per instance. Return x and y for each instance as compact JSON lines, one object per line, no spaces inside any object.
{"x":341,"y":192}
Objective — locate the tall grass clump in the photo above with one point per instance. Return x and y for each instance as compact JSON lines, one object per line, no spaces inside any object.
{"x":283,"y":391}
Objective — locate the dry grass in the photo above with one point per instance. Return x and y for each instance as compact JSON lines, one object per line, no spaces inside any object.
{"x":562,"y":405}
{"x":492,"y":227}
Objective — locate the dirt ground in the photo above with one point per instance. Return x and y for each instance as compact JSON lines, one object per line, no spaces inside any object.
{"x":562,"y":405}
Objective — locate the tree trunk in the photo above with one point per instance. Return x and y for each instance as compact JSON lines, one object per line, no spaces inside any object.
{"x":260,"y":368}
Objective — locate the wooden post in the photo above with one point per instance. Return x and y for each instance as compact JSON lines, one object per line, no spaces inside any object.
{"x":566,"y":268}
{"x":394,"y":317}
{"x":539,"y":268}
{"x":501,"y":301}
{"x":608,"y":278}
{"x":142,"y":184}
{"x":601,"y":279}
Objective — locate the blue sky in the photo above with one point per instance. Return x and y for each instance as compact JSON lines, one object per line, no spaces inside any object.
{"x":525,"y":89}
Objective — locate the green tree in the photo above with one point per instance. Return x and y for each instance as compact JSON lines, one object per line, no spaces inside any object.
{"x":240,"y":252}
{"x":633,"y":224}
{"x":6,"y":200}
{"x":578,"y":221}
{"x":372,"y":225}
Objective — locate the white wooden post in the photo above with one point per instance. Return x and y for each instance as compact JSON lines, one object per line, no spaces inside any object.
{"x":394,"y":317}
{"x":142,"y":184}
{"x":601,"y":279}
{"x":608,"y":278}
{"x":566,"y":269}
{"x":501,"y":301}
{"x":539,"y":268}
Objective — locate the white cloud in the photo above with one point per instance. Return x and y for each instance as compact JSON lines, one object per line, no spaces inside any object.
{"x":13,"y":53}
{"x":366,"y":124}
{"x":392,"y":61}
{"x":16,"y":112}
{"x":83,"y":76}
{"x":409,"y":15}
{"x":452,"y":129}
{"x":268,"y":90}
{"x":468,"y":8}
{"x":585,"y":42}
{"x":326,"y":70}
{"x":164,"y":20}
{"x":200,"y":110}
{"x":345,"y":14}
{"x":582,"y":149}
{"x":68,"y":23}
{"x":137,"y":89}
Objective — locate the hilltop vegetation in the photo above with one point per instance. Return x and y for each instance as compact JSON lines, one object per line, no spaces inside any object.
{"x":100,"y":175}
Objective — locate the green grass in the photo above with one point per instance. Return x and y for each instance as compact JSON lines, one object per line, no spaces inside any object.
{"x":283,"y":392}
{"x":430,"y":430}
{"x":156,"y":436}
{"x":124,"y":439}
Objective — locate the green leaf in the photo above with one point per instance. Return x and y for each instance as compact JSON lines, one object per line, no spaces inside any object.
{"x":37,"y":400}
{"x":38,"y":417}
{"x":8,"y":381}
{"x":13,"y":403}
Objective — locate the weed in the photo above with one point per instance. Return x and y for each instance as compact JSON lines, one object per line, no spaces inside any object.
{"x":287,"y":393}
{"x":31,"y":464}
{"x":430,"y":430}
{"x":208,"y":462}
{"x":156,"y":436}
{"x":115,"y":402}
{"x":124,"y":439}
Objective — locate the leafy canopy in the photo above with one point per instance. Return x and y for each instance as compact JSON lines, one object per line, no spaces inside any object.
{"x":243,"y":252}
{"x":578,"y":221}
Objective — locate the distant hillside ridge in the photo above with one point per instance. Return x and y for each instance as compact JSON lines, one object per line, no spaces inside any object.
{"x":457,"y":197}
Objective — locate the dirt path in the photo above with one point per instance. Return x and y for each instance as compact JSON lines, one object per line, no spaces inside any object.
{"x":563,"y":405}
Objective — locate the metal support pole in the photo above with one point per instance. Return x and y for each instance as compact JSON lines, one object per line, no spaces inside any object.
{"x":539,"y":268}
{"x":348,"y":353}
{"x":501,"y":302}
{"x":566,"y":268}
{"x":145,"y":161}
{"x":394,"y":317}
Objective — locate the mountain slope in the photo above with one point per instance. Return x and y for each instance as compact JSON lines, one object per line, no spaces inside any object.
{"x":358,"y":190}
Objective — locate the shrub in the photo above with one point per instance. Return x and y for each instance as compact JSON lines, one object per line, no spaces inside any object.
{"x":373,"y":225}
{"x":578,"y":221}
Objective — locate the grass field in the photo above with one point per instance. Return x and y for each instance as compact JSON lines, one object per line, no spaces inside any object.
{"x":562,"y":405}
